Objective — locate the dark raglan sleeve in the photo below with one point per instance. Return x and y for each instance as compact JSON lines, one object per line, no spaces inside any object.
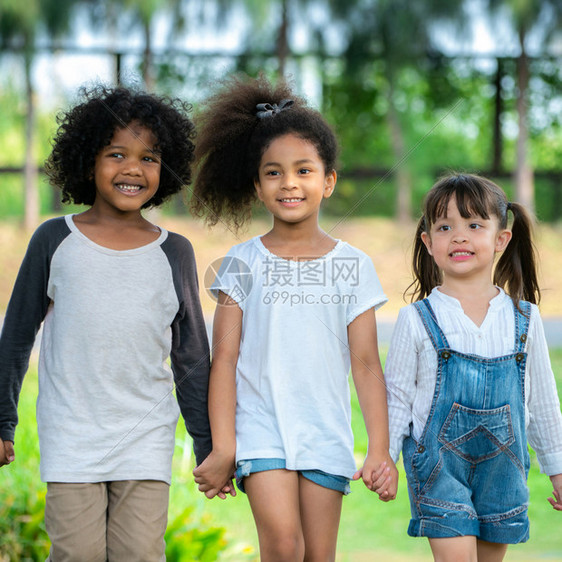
{"x":26,"y":310}
{"x":190,"y":357}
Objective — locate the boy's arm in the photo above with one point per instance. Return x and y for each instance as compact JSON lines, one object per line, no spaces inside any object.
{"x":26,"y":310}
{"x":218,"y":468}
{"x":190,"y":359}
{"x":6,"y":452}
{"x":378,"y":472}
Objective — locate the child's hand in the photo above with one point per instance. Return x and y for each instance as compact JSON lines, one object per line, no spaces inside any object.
{"x":556,"y":502}
{"x":379,"y":477}
{"x":7,"y":454}
{"x":214,"y":475}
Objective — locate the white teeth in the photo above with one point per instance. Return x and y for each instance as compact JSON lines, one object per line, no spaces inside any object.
{"x":461,"y":254}
{"x":128,"y":188}
{"x":293,"y":200}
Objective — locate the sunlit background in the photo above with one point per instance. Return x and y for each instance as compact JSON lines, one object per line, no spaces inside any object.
{"x":414,"y":88}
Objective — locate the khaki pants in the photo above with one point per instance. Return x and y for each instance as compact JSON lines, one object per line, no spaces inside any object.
{"x":107,"y":521}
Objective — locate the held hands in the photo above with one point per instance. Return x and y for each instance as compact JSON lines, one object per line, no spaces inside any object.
{"x":7,"y":454}
{"x":380,"y":477}
{"x":214,"y":475}
{"x":556,"y":501}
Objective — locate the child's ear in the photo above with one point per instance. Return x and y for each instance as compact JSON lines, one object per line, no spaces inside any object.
{"x":503,"y":239}
{"x":330,"y":183}
{"x":258,"y":189}
{"x":426,"y":239}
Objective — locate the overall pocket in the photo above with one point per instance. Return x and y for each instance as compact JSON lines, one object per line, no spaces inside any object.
{"x":477,"y":435}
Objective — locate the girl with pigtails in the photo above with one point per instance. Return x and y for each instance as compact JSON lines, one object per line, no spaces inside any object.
{"x":469,"y":376}
{"x":295,"y":312}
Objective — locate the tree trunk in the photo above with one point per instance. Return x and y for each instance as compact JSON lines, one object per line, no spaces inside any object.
{"x":524,"y":182}
{"x":31,"y":187}
{"x":497,"y":162}
{"x":282,"y":39}
{"x":147,"y":67}
{"x":401,"y":172}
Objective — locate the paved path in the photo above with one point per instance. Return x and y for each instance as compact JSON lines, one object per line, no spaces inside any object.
{"x":552,"y":329}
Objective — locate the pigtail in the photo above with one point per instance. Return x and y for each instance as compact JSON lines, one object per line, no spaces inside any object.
{"x":516,"y":270}
{"x":425,"y":271}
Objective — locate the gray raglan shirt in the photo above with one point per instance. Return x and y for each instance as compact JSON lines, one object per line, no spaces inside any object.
{"x":106,"y":408}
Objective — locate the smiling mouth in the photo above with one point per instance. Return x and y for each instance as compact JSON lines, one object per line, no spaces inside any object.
{"x":129,"y":189}
{"x":292,"y":200}
{"x":461,"y":254}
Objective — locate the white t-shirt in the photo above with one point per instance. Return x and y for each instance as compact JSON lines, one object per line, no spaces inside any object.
{"x":411,"y":367}
{"x":292,"y":373}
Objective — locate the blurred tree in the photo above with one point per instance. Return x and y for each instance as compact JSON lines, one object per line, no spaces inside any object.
{"x":21,"y":23}
{"x":284,"y":14}
{"x":114,"y":13}
{"x":540,"y":19}
{"x":400,"y":33}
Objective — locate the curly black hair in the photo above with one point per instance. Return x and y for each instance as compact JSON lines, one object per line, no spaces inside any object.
{"x":232,"y":139}
{"x":89,"y":126}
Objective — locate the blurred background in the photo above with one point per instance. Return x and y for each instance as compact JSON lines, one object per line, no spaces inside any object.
{"x":413,"y":89}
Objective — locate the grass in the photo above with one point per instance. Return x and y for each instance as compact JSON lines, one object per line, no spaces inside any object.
{"x":370,"y":529}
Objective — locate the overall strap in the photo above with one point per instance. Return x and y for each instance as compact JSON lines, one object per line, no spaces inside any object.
{"x":432,"y":328}
{"x":522,"y":318}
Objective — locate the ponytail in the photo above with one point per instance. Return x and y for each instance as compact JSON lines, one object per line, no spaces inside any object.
{"x":426,"y":273}
{"x":516,"y":270}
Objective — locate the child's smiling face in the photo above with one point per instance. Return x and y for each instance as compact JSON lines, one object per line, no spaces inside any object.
{"x":465,"y":247}
{"x":127,"y":170}
{"x":292,"y":181}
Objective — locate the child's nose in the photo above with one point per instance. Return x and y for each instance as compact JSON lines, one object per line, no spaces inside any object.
{"x":132,"y":167}
{"x":460,"y":236}
{"x":290,"y":181}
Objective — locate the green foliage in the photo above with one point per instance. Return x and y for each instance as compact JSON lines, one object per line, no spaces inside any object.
{"x":22,"y":494}
{"x":22,"y":533}
{"x":186,"y":541}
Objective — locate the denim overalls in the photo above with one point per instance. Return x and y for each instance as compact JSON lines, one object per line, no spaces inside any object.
{"x":467,"y":473}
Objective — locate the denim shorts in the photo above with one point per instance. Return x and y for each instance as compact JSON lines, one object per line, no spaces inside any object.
{"x":324,"y":479}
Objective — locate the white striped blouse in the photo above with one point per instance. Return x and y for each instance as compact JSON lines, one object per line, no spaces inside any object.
{"x":411,"y":367}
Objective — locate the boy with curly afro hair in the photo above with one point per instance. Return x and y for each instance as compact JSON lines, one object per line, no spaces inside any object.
{"x":117,"y":295}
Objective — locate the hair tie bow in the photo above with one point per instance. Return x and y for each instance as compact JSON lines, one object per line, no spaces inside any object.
{"x":271,"y":109}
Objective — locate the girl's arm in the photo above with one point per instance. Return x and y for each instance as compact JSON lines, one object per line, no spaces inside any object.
{"x":378,"y":472}
{"x":544,"y":431}
{"x":215,"y":473}
{"x":401,"y":377}
{"x":556,"y":501}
